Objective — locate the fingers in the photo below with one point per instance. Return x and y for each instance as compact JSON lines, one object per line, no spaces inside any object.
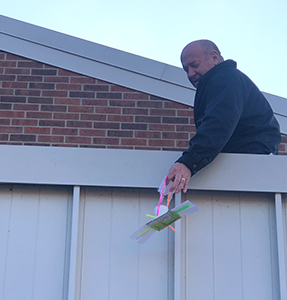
{"x":185,"y":186}
{"x":175,"y":185}
{"x":180,"y":176}
{"x":182,"y":185}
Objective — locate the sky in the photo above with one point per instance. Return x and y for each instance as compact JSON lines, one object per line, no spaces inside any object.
{"x":252,"y":32}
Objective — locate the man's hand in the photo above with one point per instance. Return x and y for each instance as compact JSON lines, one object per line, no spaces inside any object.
{"x":180,"y":175}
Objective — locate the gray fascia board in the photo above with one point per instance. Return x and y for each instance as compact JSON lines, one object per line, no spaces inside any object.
{"x":96,"y":69}
{"x":92,"y":51}
{"x":137,"y":168}
{"x":282,"y":120}
{"x":112,"y":65}
{"x":278,"y":104}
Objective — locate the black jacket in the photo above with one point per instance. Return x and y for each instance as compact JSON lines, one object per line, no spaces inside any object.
{"x":231,"y":115}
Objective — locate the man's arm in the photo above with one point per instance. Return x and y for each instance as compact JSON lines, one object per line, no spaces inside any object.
{"x":217,"y":124}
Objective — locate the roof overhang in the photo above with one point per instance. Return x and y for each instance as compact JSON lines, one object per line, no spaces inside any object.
{"x":108,"y":64}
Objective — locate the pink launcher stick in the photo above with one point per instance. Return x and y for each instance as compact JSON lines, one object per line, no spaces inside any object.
{"x":161,"y":195}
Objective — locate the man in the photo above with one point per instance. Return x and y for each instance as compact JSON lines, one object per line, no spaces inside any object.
{"x":230,"y":113}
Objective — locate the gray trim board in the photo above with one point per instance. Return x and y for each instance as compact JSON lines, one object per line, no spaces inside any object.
{"x":137,"y":168}
{"x":108,"y":64}
{"x":95,"y":60}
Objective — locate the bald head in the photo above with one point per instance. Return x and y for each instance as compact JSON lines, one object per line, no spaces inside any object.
{"x":207,"y":46}
{"x":199,"y":57}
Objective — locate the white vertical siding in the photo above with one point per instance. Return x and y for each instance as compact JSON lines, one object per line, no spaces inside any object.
{"x":111,"y":265}
{"x":231,"y":247}
{"x":284,"y":250}
{"x":33,"y":234}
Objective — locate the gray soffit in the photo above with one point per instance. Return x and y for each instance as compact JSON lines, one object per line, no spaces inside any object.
{"x":105,"y":63}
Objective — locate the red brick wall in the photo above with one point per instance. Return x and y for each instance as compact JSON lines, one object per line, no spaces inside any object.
{"x":283,"y":145}
{"x":47,"y":106}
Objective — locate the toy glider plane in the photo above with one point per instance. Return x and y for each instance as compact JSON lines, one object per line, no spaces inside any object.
{"x":164,"y":217}
{"x":161,"y":222}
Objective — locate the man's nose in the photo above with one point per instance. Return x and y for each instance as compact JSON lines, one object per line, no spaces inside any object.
{"x":191,"y":72}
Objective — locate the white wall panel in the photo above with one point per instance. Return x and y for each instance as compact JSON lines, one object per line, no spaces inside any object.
{"x":111,"y":265}
{"x":284,"y":250}
{"x":5,"y":213}
{"x":231,"y":250}
{"x":33,"y":233}
{"x":259,"y":247}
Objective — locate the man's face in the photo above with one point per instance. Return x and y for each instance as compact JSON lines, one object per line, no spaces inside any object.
{"x":195,"y":63}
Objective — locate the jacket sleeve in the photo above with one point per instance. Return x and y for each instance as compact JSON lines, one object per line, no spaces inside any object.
{"x":215,"y":125}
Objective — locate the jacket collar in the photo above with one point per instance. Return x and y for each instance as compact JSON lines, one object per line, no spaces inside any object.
{"x":223,"y":65}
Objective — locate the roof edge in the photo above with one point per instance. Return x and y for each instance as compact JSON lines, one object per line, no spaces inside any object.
{"x":106,"y":63}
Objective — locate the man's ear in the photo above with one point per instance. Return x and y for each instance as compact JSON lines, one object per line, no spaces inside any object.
{"x":215,"y":56}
